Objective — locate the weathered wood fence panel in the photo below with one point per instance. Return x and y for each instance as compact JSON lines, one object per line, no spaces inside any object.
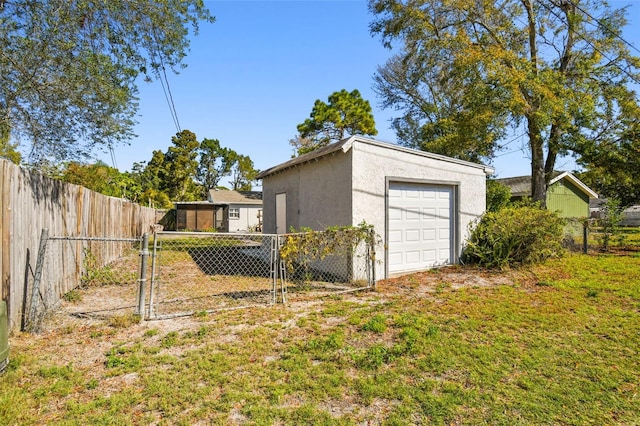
{"x":30,"y":202}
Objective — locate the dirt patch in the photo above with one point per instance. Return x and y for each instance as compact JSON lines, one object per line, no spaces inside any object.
{"x":453,"y":278}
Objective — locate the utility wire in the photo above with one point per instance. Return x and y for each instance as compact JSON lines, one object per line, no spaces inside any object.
{"x":554,"y":13}
{"x":162,"y":73}
{"x":113,"y":157}
{"x":604,"y":25}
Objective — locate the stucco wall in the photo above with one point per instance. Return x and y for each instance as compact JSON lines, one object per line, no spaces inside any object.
{"x":318,"y":194}
{"x":248,"y":217}
{"x":326,"y":192}
{"x":373,"y":164}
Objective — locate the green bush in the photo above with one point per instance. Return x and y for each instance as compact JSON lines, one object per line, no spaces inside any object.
{"x":515,"y":236}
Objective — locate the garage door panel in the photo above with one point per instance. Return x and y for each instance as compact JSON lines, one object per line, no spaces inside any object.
{"x":412,"y":235}
{"x":395,"y":214}
{"x":429,"y":256}
{"x":395,"y":236}
{"x":420,"y":226}
{"x":428,"y":234}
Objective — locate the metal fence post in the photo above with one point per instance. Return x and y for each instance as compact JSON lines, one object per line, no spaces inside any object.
{"x":152,"y":286}
{"x":372,"y":257}
{"x":585,"y":236}
{"x":144,"y":255}
{"x":31,"y":319}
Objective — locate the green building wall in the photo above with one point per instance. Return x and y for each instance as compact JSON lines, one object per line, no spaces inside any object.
{"x":569,"y":201}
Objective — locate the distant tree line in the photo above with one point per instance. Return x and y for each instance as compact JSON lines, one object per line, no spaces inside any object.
{"x":185,"y":172}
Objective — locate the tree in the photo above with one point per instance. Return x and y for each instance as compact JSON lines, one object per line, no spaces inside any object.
{"x":345,"y":114}
{"x":243,"y":174}
{"x":180,"y":167}
{"x":468,"y":70}
{"x":10,"y":151}
{"x":613,"y":164}
{"x":69,"y":68}
{"x":215,"y":163}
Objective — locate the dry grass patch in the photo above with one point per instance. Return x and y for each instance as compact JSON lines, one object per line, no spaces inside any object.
{"x":556,"y":344}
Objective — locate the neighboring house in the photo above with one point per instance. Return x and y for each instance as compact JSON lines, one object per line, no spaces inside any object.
{"x":225,"y":211}
{"x":630,"y":215}
{"x":566,"y":194}
{"x":421,"y":204}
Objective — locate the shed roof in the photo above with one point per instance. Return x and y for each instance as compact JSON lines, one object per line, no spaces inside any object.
{"x":223,"y":196}
{"x":345,"y":145}
{"x":521,"y":185}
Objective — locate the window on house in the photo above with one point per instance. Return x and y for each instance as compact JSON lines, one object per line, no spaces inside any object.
{"x":234,"y":213}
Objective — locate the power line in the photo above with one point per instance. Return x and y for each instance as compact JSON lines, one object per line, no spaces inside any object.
{"x":113,"y":157}
{"x":167,"y":91}
{"x":553,"y":12}
{"x":605,"y":26}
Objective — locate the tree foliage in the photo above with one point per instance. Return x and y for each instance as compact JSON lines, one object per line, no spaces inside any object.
{"x":98,"y":177}
{"x":468,"y":70}
{"x":345,"y":114}
{"x":69,"y":68}
{"x":174,"y":175}
{"x":243,"y":173}
{"x":180,"y":167}
{"x":613,"y":164}
{"x":215,"y":163}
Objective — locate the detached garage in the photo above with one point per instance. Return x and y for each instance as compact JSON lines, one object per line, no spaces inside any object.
{"x":421,"y":204}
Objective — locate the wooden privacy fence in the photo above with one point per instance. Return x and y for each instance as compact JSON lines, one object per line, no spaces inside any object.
{"x":30,"y":202}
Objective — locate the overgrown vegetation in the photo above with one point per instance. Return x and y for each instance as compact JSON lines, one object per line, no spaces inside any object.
{"x":302,"y":248}
{"x":513,"y":236}
{"x":611,"y":214}
{"x":557,"y":344}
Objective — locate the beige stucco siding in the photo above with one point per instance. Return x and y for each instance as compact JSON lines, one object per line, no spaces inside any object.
{"x":318,"y":194}
{"x":374,"y":166}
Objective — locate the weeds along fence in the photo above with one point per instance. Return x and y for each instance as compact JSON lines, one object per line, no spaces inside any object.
{"x":203,"y":272}
{"x":600,"y":235}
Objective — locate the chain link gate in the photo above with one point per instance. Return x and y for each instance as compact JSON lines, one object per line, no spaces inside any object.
{"x":195,"y":272}
{"x":202,"y":272}
{"x":188,"y":272}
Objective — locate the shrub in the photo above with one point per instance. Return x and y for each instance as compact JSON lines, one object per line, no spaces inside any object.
{"x":515,"y":236}
{"x":498,"y":196}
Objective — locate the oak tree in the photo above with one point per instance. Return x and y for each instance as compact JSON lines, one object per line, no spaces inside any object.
{"x":467,"y":71}
{"x":69,"y":69}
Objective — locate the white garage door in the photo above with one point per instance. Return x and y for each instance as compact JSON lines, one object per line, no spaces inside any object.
{"x":420,"y":226}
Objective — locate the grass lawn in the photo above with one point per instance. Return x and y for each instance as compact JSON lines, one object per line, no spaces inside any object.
{"x":555,"y":344}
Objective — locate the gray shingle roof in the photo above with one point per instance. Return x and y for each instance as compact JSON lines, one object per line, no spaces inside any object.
{"x":221,"y":196}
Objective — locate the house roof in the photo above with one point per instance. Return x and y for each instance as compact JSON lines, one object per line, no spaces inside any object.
{"x":222,"y":196}
{"x":521,"y":185}
{"x":345,"y":145}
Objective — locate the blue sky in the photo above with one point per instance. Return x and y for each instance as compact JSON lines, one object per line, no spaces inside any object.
{"x":254,"y":75}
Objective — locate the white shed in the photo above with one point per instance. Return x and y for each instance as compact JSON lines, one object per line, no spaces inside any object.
{"x":421,"y":204}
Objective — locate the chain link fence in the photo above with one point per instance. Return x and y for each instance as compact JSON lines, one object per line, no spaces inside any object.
{"x":202,"y":272}
{"x":182,"y":273}
{"x":196,"y":271}
{"x":101,"y":276}
{"x":314,"y":264}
